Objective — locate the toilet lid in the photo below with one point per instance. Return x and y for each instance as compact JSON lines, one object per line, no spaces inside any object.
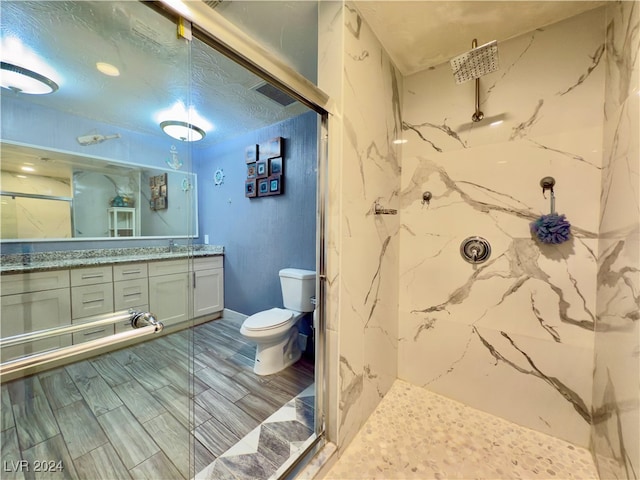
{"x":268,"y":319}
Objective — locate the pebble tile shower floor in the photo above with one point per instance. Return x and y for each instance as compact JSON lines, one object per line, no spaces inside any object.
{"x":417,"y":434}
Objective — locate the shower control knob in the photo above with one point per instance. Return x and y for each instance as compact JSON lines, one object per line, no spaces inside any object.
{"x":475,"y":250}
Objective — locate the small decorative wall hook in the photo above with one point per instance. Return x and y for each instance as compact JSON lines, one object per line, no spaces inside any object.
{"x":547,"y":183}
{"x":426,"y":197}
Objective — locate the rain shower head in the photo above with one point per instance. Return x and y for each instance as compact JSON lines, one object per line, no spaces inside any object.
{"x":476,"y":62}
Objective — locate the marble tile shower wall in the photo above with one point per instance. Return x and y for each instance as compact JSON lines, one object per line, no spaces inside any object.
{"x":616,"y":397}
{"x":362,"y":261}
{"x":512,"y":336}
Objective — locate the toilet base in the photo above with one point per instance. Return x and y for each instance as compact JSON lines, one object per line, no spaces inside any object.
{"x":275,"y":357}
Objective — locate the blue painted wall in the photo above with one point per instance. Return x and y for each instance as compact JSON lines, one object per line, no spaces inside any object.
{"x":261,"y":235}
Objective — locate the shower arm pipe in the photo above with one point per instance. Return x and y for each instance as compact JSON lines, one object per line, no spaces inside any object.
{"x":13,"y":367}
{"x":477,"y":115}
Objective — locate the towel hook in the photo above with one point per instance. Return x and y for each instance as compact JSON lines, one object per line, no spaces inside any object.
{"x":547,"y":183}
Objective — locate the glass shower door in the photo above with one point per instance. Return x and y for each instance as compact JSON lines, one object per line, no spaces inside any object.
{"x":93,"y":115}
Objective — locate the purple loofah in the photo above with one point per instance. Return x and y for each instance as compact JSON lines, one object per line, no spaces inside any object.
{"x":552,"y":228}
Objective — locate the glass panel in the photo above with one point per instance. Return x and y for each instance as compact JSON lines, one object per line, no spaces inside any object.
{"x":119,"y":407}
{"x":254,"y":388}
{"x":176,"y":405}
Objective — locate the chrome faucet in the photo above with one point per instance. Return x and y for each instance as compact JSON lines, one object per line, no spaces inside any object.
{"x":171,"y":245}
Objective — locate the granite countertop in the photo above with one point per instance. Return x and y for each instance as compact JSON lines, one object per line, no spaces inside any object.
{"x":38,"y":262}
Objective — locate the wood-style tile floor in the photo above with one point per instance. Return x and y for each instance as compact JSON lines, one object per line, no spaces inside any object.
{"x":127,"y":414}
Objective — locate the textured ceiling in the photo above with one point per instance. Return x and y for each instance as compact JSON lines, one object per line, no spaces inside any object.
{"x":421,"y":34}
{"x":156,"y":68}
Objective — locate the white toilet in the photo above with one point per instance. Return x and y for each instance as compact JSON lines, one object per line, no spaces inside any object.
{"x":275,"y":331}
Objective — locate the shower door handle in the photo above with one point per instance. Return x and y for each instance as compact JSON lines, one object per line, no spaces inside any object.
{"x":145,"y":319}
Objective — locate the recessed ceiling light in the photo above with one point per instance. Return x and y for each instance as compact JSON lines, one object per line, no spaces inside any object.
{"x":21,"y":176}
{"x":28,"y":169}
{"x":400,"y":141}
{"x":108,"y":69}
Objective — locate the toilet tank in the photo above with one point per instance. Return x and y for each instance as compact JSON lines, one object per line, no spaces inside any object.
{"x":298,"y":286}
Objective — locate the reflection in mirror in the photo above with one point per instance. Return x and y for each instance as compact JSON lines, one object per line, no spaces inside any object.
{"x":62,"y":195}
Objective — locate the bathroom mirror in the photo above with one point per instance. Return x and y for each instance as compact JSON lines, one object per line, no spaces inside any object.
{"x":68,"y":196}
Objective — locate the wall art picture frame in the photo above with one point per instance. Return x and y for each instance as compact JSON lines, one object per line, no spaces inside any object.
{"x":251,"y":154}
{"x":158,"y":185}
{"x":250,"y":190}
{"x":275,"y":184}
{"x":276,"y":165}
{"x":161,"y":203}
{"x":262,"y":169}
{"x":251,"y":170}
{"x":270,"y":149}
{"x":263,"y":187}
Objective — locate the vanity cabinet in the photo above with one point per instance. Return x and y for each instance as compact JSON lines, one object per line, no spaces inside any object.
{"x":174,"y":290}
{"x":208,"y":286}
{"x":34,"y":301}
{"x":169,"y":290}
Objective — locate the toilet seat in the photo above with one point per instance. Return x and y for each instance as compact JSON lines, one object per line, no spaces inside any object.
{"x":267,"y":319}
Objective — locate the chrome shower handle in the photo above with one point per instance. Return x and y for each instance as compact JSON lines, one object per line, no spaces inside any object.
{"x":144,"y":319}
{"x":378,"y":210}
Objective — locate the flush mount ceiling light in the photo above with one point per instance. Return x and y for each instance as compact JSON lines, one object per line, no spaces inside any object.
{"x":24,"y":71}
{"x":183,"y":123}
{"x":184,"y":131}
{"x":23,"y":80}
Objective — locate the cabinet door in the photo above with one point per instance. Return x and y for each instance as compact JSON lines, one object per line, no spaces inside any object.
{"x":208,"y":292}
{"x":29,"y":312}
{"x":169,"y":297}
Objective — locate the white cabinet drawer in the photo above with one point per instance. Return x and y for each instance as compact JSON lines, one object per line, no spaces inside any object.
{"x":207,"y":263}
{"x":92,"y":334}
{"x":129,"y":293}
{"x":91,"y":300}
{"x":91,"y":275}
{"x":129,"y":271}
{"x":33,"y":282}
{"x":168,"y":267}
